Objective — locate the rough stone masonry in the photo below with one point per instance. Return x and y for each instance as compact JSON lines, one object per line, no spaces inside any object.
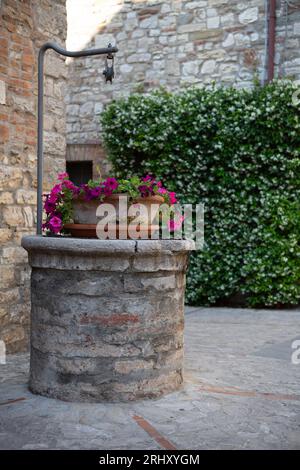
{"x":107,"y":317}
{"x":170,"y":43}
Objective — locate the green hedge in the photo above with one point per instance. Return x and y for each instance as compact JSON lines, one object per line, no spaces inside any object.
{"x":238,"y":152}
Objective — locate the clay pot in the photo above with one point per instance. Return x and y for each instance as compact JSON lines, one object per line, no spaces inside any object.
{"x":85,"y":211}
{"x":85,"y":219}
{"x":89,"y":231}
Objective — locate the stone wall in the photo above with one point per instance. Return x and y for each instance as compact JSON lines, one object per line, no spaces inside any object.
{"x":24,"y":26}
{"x":174,"y":43}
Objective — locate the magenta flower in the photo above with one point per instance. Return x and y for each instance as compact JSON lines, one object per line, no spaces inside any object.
{"x":49,"y":206}
{"x":55,"y":224}
{"x":52,"y":198}
{"x":111,"y":184}
{"x":95,"y":192}
{"x":75,"y":190}
{"x":107,"y":192}
{"x":56,"y":189}
{"x":88,"y":196}
{"x":172,"y":197}
{"x":162,"y":190}
{"x":147,"y":178}
{"x":68,"y":184}
{"x":145,"y":190}
{"x":62,"y":176}
{"x":175,"y":224}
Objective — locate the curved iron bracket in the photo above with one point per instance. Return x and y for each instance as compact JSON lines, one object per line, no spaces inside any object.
{"x":110,"y":50}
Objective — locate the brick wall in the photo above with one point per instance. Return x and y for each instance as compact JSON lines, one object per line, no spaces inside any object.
{"x":174,"y":43}
{"x":24,"y":26}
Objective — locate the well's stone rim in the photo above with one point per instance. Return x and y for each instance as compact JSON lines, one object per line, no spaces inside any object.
{"x":105,"y":247}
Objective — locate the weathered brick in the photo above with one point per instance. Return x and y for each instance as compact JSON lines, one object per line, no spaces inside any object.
{"x":4,"y":133}
{"x":110,"y":320}
{"x":20,"y":38}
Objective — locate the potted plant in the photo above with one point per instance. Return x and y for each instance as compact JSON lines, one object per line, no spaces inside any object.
{"x":72,"y":209}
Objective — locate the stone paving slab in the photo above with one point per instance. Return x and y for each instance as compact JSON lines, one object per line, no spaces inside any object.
{"x":241,"y":392}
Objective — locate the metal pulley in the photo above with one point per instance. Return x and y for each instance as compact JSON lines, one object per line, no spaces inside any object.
{"x":109,"y":72}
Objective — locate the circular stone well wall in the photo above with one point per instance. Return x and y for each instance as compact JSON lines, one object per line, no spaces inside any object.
{"x":107,"y":317}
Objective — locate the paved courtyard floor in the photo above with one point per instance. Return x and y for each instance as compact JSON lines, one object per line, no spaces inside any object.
{"x":241,"y":391}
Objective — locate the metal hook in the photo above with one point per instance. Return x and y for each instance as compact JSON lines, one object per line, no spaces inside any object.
{"x":109,"y":72}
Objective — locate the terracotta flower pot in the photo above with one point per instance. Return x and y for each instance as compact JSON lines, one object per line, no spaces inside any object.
{"x":85,"y":219}
{"x":122,"y":232}
{"x":85,"y":211}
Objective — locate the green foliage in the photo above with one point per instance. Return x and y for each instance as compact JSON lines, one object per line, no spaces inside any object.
{"x":65,"y":205}
{"x":130,"y":186}
{"x":236,"y":151}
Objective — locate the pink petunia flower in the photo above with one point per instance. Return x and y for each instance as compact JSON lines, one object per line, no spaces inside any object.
{"x":55,"y":224}
{"x":56,"y":189}
{"x":175,"y":224}
{"x":52,"y":198}
{"x":49,"y":206}
{"x":147,"y":178}
{"x":95,"y":192}
{"x":172,"y":197}
{"x":145,"y":190}
{"x":162,"y":190}
{"x":62,"y":176}
{"x":68,"y":184}
{"x":111,"y":184}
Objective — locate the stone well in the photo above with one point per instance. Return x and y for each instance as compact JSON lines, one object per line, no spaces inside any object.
{"x":107,"y":317}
